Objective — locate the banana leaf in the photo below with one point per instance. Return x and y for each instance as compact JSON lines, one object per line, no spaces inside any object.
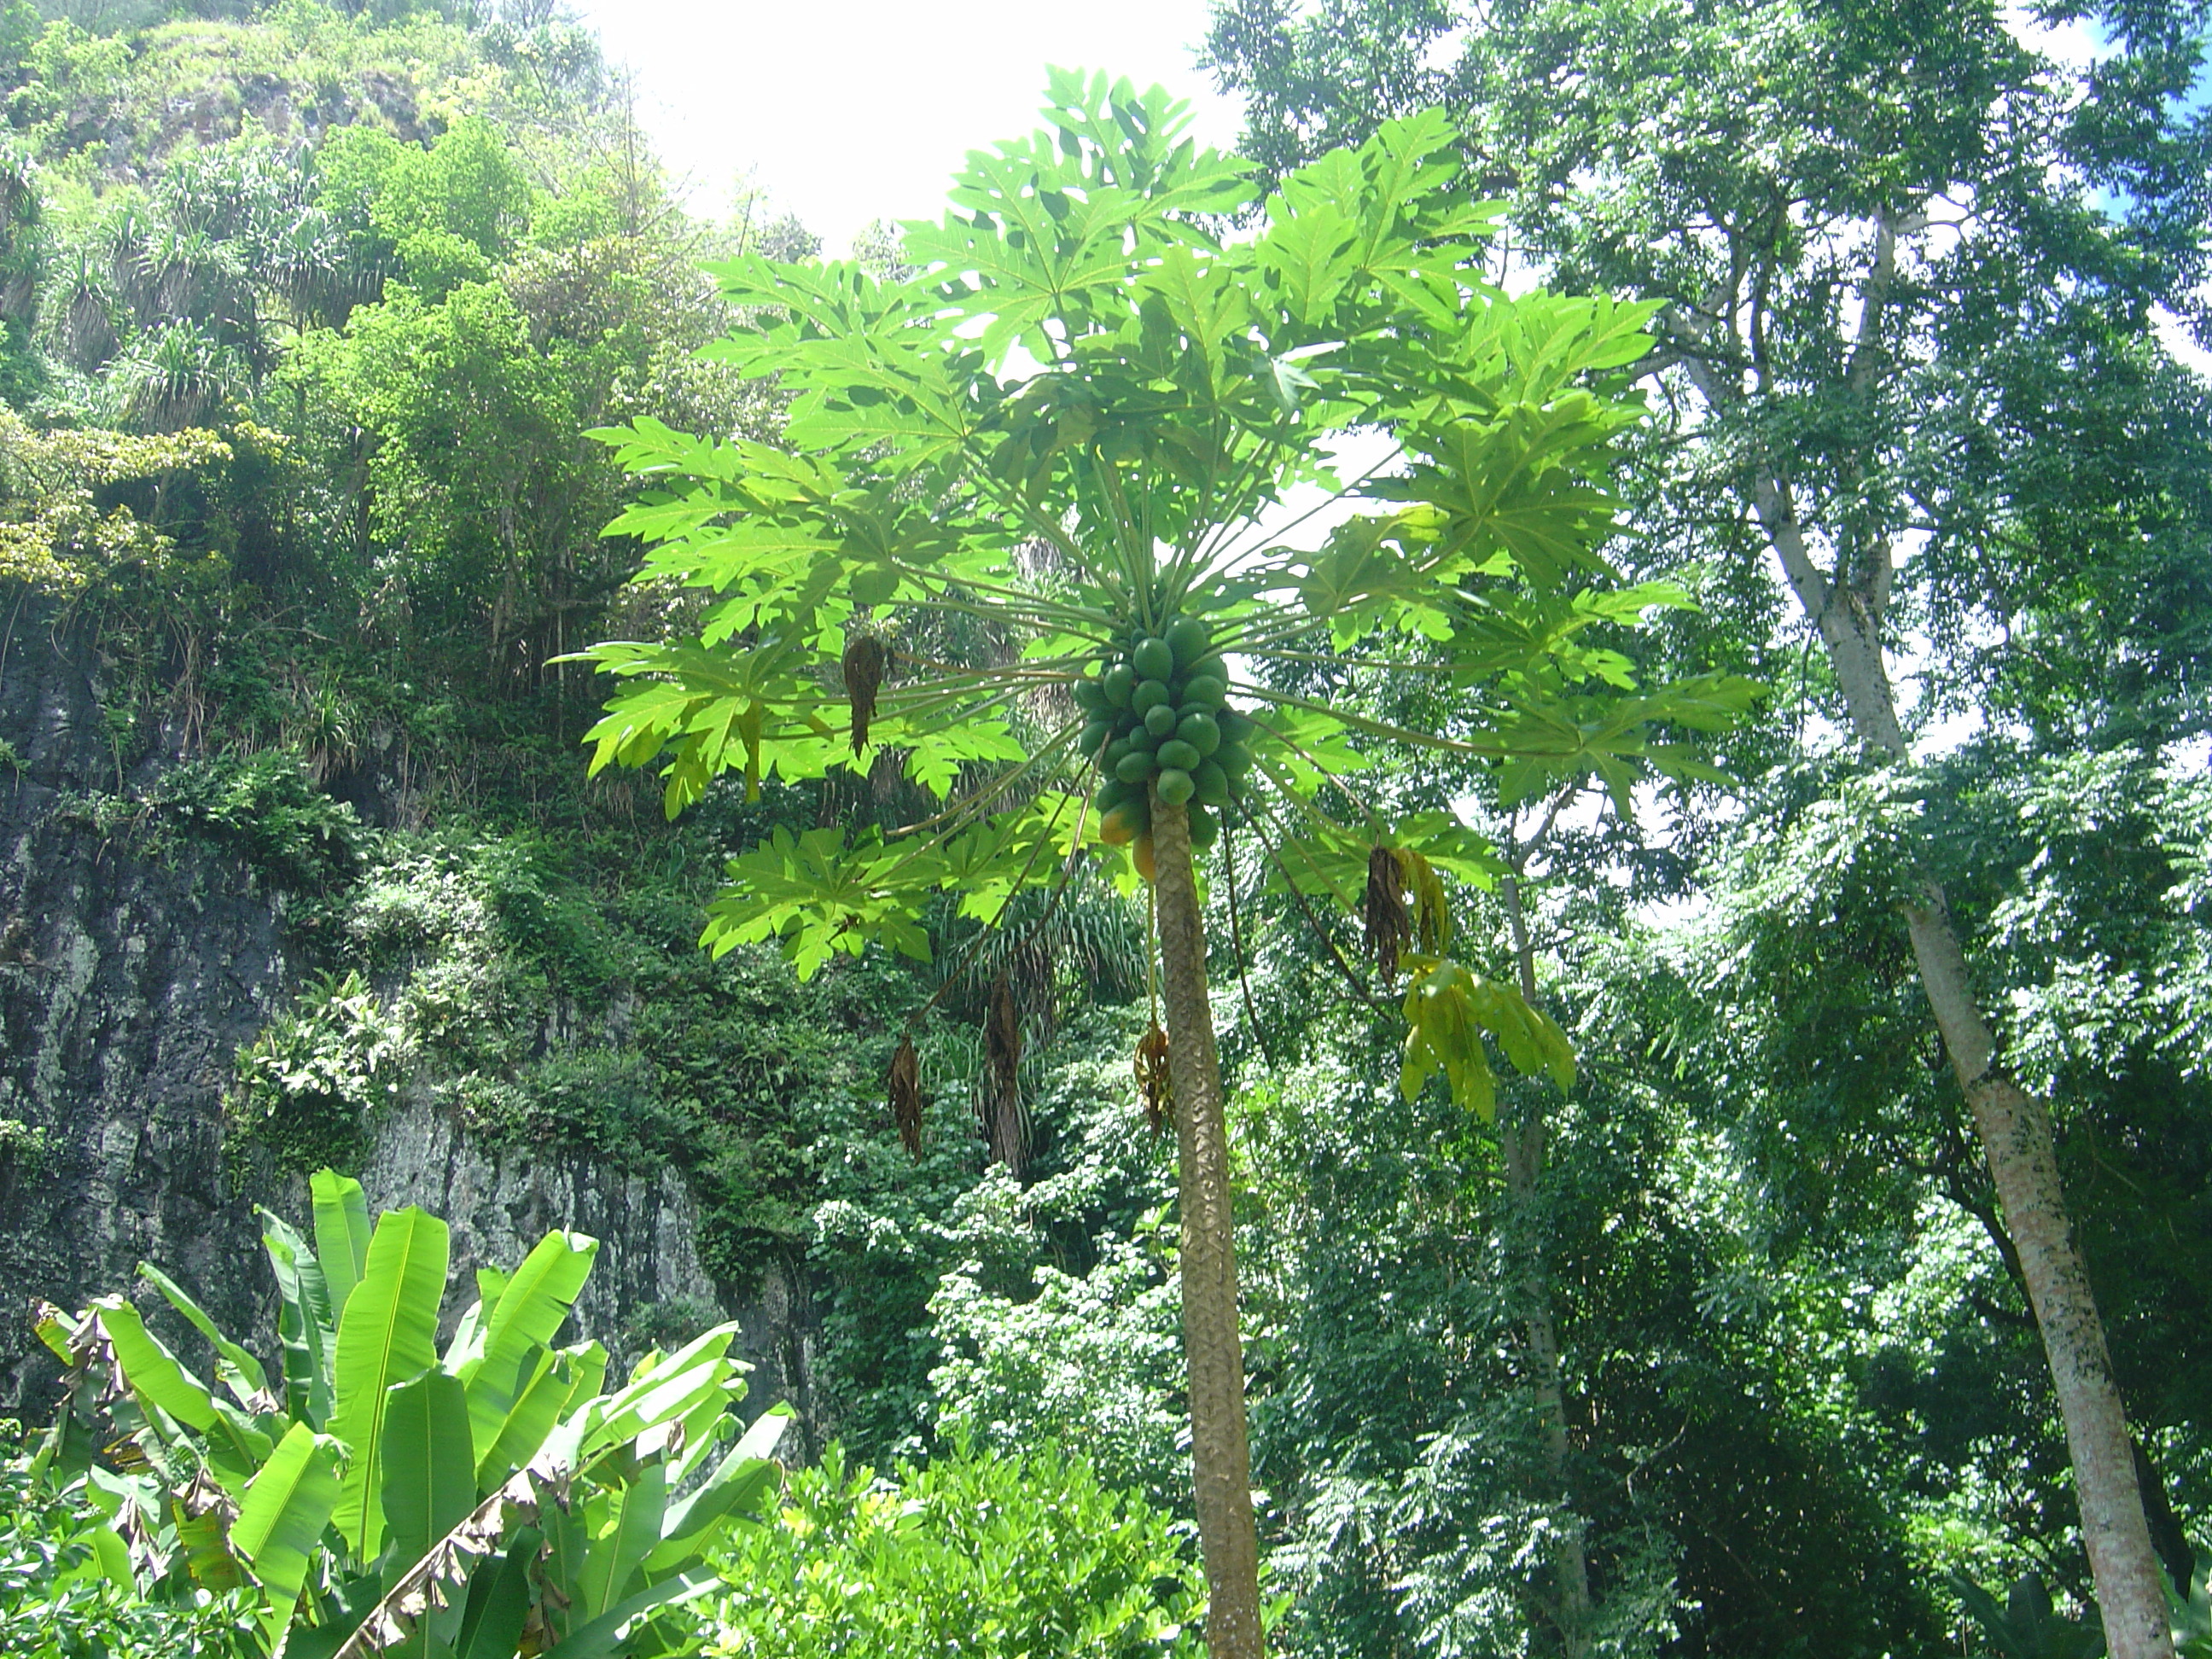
{"x":240,"y":1370}
{"x":428,"y":1482}
{"x":387,"y":1334}
{"x":303,"y":1322}
{"x":637,"y":1507}
{"x":341,"y":1235}
{"x":531,"y":1308}
{"x":280,"y":1519}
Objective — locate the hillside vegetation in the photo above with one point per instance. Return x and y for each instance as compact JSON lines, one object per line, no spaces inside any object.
{"x":1606,"y":1156}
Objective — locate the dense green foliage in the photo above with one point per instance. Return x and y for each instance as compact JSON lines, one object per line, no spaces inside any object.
{"x":58,"y":1601}
{"x":1070,"y":415}
{"x":1024,"y":1554}
{"x":306,"y":318}
{"x":1913,"y":375}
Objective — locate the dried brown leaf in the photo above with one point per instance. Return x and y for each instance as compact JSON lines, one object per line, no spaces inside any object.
{"x":432,"y":1582}
{"x":1389,"y":924}
{"x":906,"y":1096}
{"x":1154,"y":1087}
{"x":864,"y":660}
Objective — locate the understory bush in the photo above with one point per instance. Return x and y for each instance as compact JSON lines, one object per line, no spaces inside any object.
{"x":308,"y":1081}
{"x":1091,"y":1360}
{"x":62,"y":1596}
{"x":986,"y":1557}
{"x":262,"y":807}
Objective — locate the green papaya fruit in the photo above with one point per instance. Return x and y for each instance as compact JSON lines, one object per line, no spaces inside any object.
{"x":1179,"y":755}
{"x":1200,"y":731}
{"x":1124,"y":821}
{"x":1189,"y":639}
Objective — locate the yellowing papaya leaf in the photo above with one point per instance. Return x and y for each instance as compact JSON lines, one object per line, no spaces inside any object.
{"x":1449,"y":1009}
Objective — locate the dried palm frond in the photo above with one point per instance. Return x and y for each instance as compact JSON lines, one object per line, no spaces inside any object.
{"x":1082,"y":933}
{"x":1002,"y":1038}
{"x":864,"y":672}
{"x":1154,"y":1087}
{"x":1005,"y":1127}
{"x":1389,"y":924}
{"x":86,"y":330}
{"x":19,"y":193}
{"x":906,"y":1096}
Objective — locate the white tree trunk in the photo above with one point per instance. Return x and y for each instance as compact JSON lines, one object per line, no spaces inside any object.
{"x":2017,"y":1141}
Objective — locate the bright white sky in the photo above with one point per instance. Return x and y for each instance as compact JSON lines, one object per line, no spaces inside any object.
{"x":855,"y":110}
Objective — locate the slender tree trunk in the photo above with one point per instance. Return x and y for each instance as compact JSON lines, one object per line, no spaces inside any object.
{"x":1524,"y":1144}
{"x":1221,"y":1460}
{"x":2015,"y":1132}
{"x":2016,"y":1137}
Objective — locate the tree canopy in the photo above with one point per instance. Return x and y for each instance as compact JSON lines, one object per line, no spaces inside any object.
{"x":1384,"y":827}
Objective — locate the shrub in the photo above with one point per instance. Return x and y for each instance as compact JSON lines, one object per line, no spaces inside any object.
{"x":982,"y":1557}
{"x":271,"y":811}
{"x":1090,"y":1360}
{"x":26,"y":1145}
{"x":60,"y":1594}
{"x":310,"y":1078}
{"x":605,"y":1101}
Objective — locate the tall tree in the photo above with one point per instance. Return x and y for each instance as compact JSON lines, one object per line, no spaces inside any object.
{"x":1906,"y":256}
{"x":1069,"y":420}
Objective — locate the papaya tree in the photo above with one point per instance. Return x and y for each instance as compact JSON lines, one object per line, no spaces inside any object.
{"x":485,"y":1499}
{"x":1098,"y":431}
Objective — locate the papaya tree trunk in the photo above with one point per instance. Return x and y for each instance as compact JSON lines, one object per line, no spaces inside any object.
{"x":1521,"y":1137}
{"x":1221,"y":1459}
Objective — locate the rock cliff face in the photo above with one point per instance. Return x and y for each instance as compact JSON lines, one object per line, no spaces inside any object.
{"x":647,"y":1286}
{"x":128,"y":983}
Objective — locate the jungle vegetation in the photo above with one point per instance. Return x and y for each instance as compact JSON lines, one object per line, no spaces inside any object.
{"x":1454,"y":874}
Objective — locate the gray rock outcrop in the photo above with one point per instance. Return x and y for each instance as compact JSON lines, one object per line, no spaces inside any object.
{"x":127,"y":986}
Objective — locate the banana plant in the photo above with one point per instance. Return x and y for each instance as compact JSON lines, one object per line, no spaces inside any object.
{"x":485,"y":1499}
{"x":2028,"y":1624}
{"x":1083,"y":416}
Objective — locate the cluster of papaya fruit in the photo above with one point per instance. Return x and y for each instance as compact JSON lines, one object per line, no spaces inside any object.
{"x":1158,"y":719}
